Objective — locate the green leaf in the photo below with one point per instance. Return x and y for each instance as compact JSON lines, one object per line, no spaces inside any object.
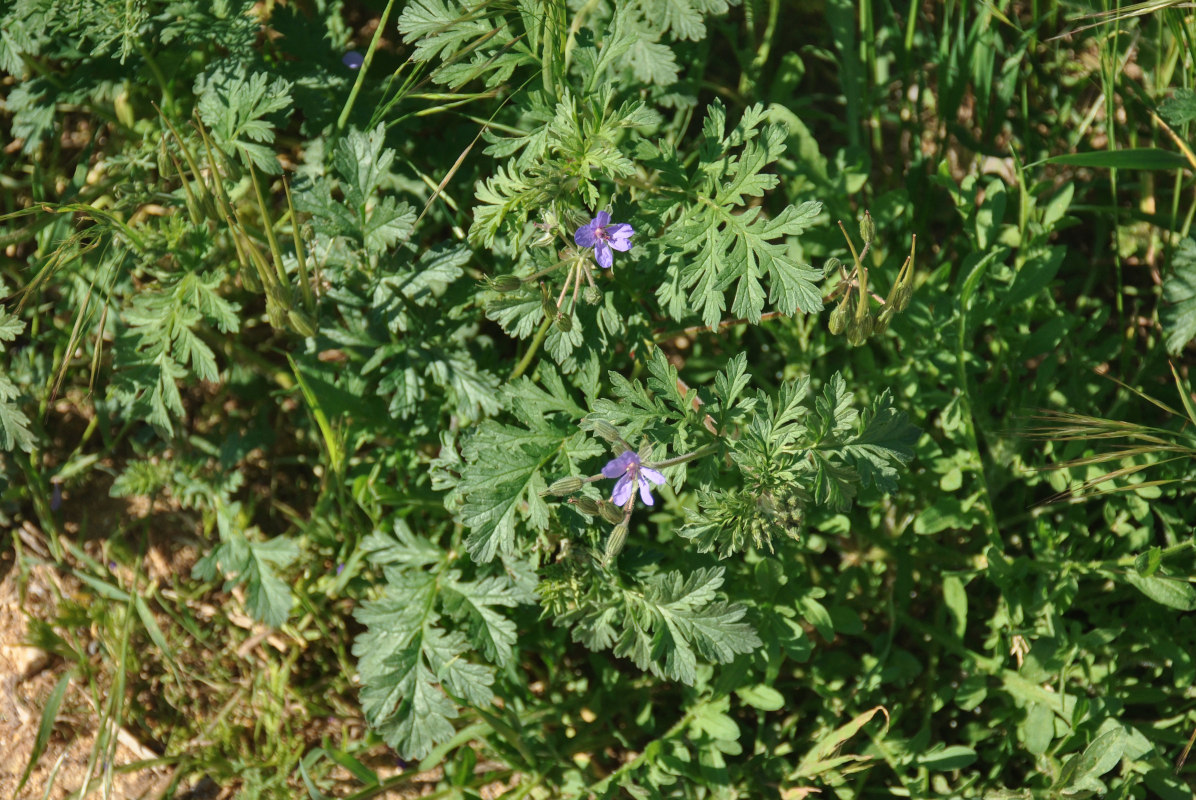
{"x":414,"y":671}
{"x":502,"y":482}
{"x":1039,"y":728}
{"x":399,"y":695}
{"x":883,"y":444}
{"x":14,"y":425}
{"x":1180,"y":107}
{"x":362,"y":164}
{"x":955,"y":756}
{"x":475,"y":601}
{"x":10,"y":326}
{"x":437,"y":30}
{"x":682,"y":18}
{"x":817,"y":615}
{"x":676,"y":619}
{"x":234,"y":104}
{"x":1147,"y":158}
{"x":955,"y":598}
{"x":762,"y":697}
{"x":664,"y":625}
{"x":1099,"y":757}
{"x":254,"y":564}
{"x":269,"y":595}
{"x":1174,"y":593}
{"x":724,"y":241}
{"x":401,"y":546}
{"x":1178,"y":312}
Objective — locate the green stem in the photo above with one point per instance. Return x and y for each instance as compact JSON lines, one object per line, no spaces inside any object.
{"x":365,"y":66}
{"x":704,"y":450}
{"x":970,"y":428}
{"x":526,"y":361}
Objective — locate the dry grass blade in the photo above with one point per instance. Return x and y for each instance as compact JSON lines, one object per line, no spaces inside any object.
{"x":1118,"y":15}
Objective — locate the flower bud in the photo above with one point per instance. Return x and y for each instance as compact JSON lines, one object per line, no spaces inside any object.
{"x":610,"y":512}
{"x":251,"y":281}
{"x":276,"y":313}
{"x":865,"y":325}
{"x":841,"y":314}
{"x":831,"y":265}
{"x":882,"y":321}
{"x":546,"y":302}
{"x":854,"y":339}
{"x":592,"y":295}
{"x":901,"y":297}
{"x":867,"y":228}
{"x":838,"y":320}
{"x":301,"y":322}
{"x":504,"y":283}
{"x":603,"y":430}
{"x":586,"y":506}
{"x":564,"y":322}
{"x":614,"y":545}
{"x":566,"y":486}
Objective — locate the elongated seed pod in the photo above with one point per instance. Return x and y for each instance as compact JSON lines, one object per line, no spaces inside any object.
{"x":882,"y":321}
{"x":610,"y":512}
{"x":504,"y":283}
{"x":614,"y":544}
{"x":867,"y":228}
{"x":587,"y":506}
{"x":604,"y":430}
{"x":566,"y":486}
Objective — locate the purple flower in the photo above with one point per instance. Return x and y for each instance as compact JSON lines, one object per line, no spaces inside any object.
{"x":601,"y":235}
{"x":353,"y":59}
{"x":628,"y":469}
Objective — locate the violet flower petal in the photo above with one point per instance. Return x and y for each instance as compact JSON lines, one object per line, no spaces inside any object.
{"x":602,"y":219}
{"x":623,"y":490}
{"x":646,"y":493}
{"x":605,"y":259}
{"x":652,"y":475}
{"x":353,"y":59}
{"x":618,"y":466}
{"x":586,"y":236}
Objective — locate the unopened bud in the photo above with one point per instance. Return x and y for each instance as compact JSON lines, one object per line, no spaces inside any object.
{"x":592,"y":295}
{"x":301,"y":322}
{"x":831,"y":265}
{"x":838,"y":320}
{"x":901,"y":297}
{"x":842,"y":314}
{"x":251,"y":281}
{"x":867,"y":228}
{"x":546,"y":302}
{"x":610,"y":512}
{"x":564,"y":322}
{"x":603,"y":430}
{"x":614,"y":545}
{"x":504,"y":283}
{"x":276,"y":313}
{"x":865,"y":325}
{"x":566,"y":486}
{"x":882,"y":321}
{"x":586,"y":505}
